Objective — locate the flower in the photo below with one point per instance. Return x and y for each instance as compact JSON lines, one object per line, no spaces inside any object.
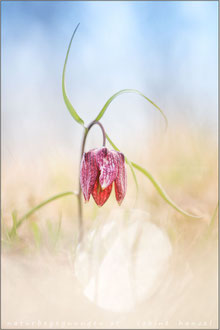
{"x":99,"y":169}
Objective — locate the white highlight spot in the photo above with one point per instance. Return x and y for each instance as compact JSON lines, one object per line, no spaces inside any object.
{"x":122,"y":260}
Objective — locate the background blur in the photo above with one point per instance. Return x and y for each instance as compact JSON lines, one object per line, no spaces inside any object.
{"x":166,"y":50}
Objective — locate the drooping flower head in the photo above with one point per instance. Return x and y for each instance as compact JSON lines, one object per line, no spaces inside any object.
{"x":99,"y":169}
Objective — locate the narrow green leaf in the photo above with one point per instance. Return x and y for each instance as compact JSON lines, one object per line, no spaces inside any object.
{"x":36,"y":208}
{"x":101,"y":113}
{"x":37,"y":234}
{"x":14,"y":225}
{"x":158,"y":187}
{"x":128,"y":162}
{"x":14,"y":218}
{"x":134,"y":177}
{"x":111,"y":142}
{"x":212,"y":222}
{"x":209,"y":231}
{"x":162,"y":192}
{"x":66,"y":99}
{"x":58,"y":231}
{"x":132,"y":171}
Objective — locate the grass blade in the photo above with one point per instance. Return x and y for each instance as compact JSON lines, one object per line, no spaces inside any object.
{"x":158,"y":187}
{"x":212,"y":222}
{"x":128,"y":162}
{"x":128,"y":91}
{"x":132,"y":171}
{"x":162,"y":192}
{"x":207,"y":236}
{"x":36,"y":232}
{"x":14,"y":225}
{"x":66,"y":99}
{"x":36,"y":208}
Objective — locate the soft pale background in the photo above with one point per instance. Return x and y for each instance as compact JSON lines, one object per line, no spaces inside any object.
{"x":167,"y":50}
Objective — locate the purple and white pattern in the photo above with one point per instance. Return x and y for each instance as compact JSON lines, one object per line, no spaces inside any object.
{"x":99,"y":169}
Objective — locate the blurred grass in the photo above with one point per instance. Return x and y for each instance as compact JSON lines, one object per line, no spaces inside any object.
{"x":183,"y":161}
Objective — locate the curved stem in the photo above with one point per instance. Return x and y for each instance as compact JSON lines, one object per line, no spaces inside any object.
{"x":87,"y":129}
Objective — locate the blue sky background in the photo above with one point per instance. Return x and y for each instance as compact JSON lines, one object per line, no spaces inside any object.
{"x":167,"y":50}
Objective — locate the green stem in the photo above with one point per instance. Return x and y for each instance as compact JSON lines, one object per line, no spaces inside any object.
{"x":79,"y":197}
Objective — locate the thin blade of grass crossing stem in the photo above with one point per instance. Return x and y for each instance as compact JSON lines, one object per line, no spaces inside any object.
{"x":101,"y":113}
{"x":36,"y":208}
{"x":158,"y":187}
{"x":128,"y":162}
{"x":133,"y":173}
{"x":66,"y":99}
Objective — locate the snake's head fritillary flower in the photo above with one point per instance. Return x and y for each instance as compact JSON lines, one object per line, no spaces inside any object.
{"x":99,"y":169}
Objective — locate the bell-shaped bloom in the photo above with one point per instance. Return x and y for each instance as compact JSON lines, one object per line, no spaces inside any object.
{"x":100,"y":168}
